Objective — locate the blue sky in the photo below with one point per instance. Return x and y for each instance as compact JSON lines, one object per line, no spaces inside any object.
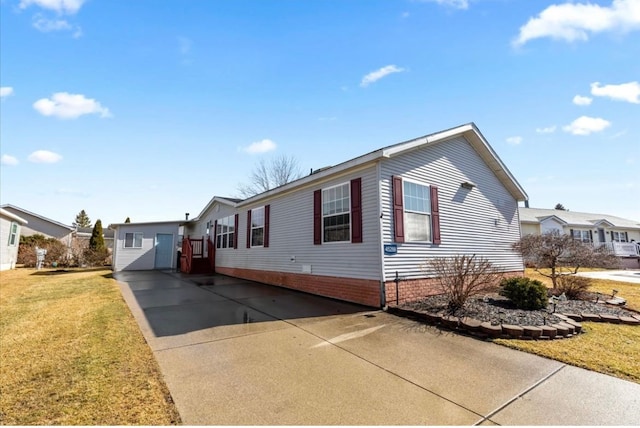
{"x":148,"y":109}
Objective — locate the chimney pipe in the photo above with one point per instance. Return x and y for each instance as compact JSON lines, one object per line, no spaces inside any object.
{"x":186,"y":216}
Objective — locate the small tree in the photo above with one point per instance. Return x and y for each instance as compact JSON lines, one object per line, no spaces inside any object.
{"x":127,"y":220}
{"x":82,"y":220}
{"x":463,"y":276}
{"x":266,"y":176}
{"x":560,"y":207}
{"x":96,"y":242}
{"x":562,"y":255}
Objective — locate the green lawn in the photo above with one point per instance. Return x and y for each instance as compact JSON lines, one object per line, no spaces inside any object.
{"x":72,"y":354}
{"x":611,"y":349}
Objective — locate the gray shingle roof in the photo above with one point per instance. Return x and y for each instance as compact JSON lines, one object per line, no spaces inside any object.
{"x":572,"y":218}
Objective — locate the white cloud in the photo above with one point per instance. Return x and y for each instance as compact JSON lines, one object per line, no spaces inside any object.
{"x":44,"y":156}
{"x":46,"y":25}
{"x":514,"y":141}
{"x":9,"y":160}
{"x":69,"y":7}
{"x":629,"y":92}
{"x":576,"y":21}
{"x":579,"y":100}
{"x":69,"y":106}
{"x":457,"y":4}
{"x":547,"y":130}
{"x":379,"y":74}
{"x":5,"y":91}
{"x":263,"y":146}
{"x":585,"y":125}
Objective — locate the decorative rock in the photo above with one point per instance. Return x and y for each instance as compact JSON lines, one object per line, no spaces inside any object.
{"x":591,"y":317}
{"x":513,"y":330}
{"x":470,"y":324}
{"x":562,"y":330}
{"x":636,"y":316}
{"x":491,"y":330}
{"x":629,"y":320}
{"x":548,"y":331}
{"x":576,"y":325}
{"x":532,"y":332}
{"x":618,"y":301}
{"x":610,"y":318}
{"x":575,"y":317}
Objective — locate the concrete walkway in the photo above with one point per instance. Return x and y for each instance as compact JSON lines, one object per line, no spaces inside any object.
{"x":235,"y":352}
{"x":631,"y":275}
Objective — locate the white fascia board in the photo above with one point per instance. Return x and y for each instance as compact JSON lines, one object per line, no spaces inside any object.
{"x":12,"y":216}
{"x":146,"y":223}
{"x":210,"y":204}
{"x":429,"y":139}
{"x":553,"y":217}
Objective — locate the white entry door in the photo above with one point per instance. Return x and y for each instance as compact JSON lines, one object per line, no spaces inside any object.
{"x":164,"y":251}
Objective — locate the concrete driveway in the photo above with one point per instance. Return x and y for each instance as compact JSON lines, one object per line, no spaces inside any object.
{"x":235,"y":352}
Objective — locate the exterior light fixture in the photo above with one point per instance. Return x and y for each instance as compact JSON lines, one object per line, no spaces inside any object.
{"x":468,"y":185}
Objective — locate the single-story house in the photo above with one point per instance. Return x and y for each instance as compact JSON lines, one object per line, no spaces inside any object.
{"x":357,"y":231}
{"x":10,"y":228}
{"x":39,"y":224}
{"x":620,"y":235}
{"x":83,"y":236}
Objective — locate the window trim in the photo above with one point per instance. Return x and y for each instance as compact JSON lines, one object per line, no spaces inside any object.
{"x":133,"y":240}
{"x":428,"y":215}
{"x":346,"y":184}
{"x":251,"y":228}
{"x":13,"y":234}
{"x":230,"y":236}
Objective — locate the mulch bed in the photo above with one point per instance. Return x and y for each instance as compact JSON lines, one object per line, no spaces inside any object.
{"x":494,"y":308}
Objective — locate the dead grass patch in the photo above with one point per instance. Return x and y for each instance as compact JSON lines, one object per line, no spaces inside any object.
{"x":72,"y":354}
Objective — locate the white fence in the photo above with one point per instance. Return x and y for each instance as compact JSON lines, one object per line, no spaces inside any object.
{"x":623,"y":249}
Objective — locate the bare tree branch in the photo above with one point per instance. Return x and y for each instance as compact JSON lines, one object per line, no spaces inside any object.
{"x":266,"y":176}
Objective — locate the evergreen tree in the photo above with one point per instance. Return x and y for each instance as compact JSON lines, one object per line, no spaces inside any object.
{"x":560,"y":207}
{"x":128,"y":220}
{"x":82,"y":220}
{"x":97,"y":240}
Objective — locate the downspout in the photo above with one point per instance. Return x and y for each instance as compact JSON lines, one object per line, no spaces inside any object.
{"x":383,"y":292}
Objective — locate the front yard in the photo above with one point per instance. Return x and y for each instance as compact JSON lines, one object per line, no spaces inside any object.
{"x":611,"y":349}
{"x":72,"y":354}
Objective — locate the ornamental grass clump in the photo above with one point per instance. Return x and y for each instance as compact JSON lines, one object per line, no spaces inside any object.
{"x":525,"y":293}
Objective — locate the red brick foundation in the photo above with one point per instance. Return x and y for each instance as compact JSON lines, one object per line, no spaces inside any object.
{"x":362,"y":291}
{"x":410,"y":290}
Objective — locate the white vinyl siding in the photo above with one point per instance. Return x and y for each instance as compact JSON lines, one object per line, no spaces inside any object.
{"x":482,"y":221}
{"x":143,"y":257}
{"x":291,"y":236}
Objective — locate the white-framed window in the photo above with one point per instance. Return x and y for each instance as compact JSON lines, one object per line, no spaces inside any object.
{"x":133,"y":240}
{"x":618,"y":236}
{"x":13,"y":234}
{"x":417,"y":211}
{"x":336,"y":213}
{"x":582,"y":235}
{"x":257,"y":227}
{"x":225,"y":232}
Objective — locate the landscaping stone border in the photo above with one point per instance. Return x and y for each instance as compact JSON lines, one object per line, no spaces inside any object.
{"x":569,"y":326}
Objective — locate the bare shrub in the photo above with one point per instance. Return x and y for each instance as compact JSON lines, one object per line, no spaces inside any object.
{"x":572,"y":286}
{"x":562,"y":255}
{"x":57,"y":252}
{"x":463,"y":276}
{"x":94,"y":257}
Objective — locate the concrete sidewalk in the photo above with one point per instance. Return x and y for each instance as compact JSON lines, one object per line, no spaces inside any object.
{"x":631,"y":275}
{"x":242,"y":353}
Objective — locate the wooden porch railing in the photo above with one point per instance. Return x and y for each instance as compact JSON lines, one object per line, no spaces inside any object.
{"x":211,"y":252}
{"x":186,"y":258}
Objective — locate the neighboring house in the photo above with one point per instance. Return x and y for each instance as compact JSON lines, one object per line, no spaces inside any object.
{"x":42,"y":225}
{"x":618,"y":234}
{"x":350,"y":230}
{"x":10,"y":229}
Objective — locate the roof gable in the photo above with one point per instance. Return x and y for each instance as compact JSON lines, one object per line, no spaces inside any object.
{"x":13,"y":208}
{"x":577,"y":219}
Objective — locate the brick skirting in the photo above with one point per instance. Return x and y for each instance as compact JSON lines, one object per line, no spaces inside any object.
{"x":362,"y":291}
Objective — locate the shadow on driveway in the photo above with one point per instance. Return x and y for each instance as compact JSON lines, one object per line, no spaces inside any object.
{"x":175,"y":304}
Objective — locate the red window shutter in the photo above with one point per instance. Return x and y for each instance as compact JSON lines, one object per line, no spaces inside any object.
{"x":398,"y":210}
{"x":356,"y":210}
{"x":249,"y":229}
{"x":236,"y":222}
{"x":267,"y":212}
{"x":215,"y":233}
{"x":317,"y":217}
{"x":435,"y":216}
